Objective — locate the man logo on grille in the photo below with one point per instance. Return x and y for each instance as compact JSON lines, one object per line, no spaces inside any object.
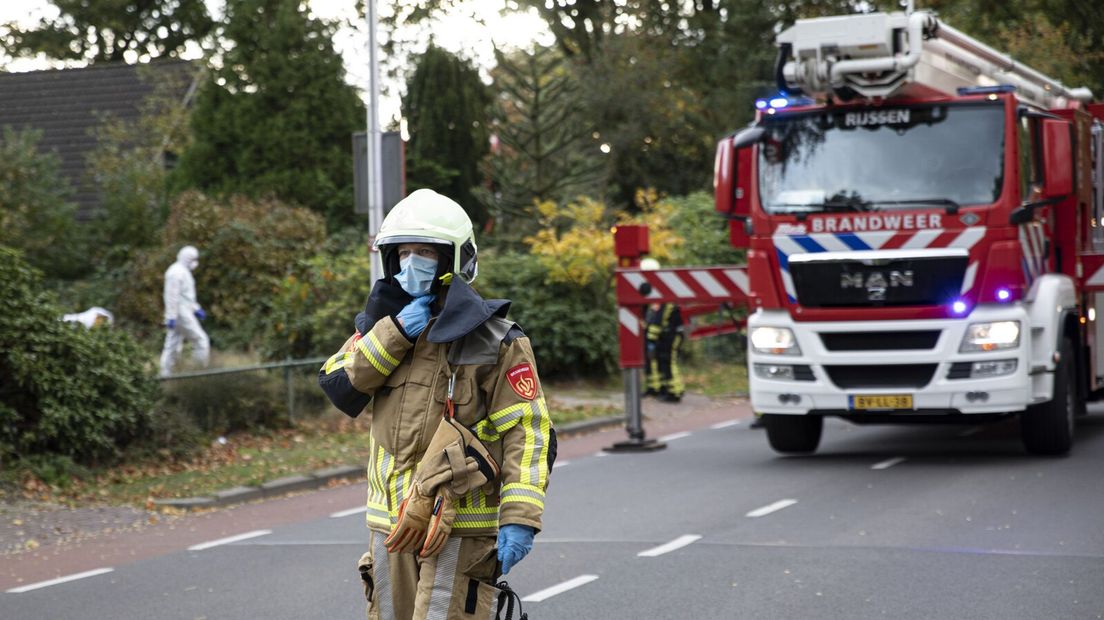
{"x":876,"y":282}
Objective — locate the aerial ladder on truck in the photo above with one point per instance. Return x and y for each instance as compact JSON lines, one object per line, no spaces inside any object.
{"x":922,"y":216}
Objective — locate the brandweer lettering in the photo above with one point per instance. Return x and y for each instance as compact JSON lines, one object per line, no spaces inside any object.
{"x":878,"y":117}
{"x":878,"y":222}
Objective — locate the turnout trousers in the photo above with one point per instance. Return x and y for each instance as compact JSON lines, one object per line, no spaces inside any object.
{"x":457,"y":584}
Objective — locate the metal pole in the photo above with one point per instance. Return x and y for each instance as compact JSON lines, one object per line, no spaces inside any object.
{"x":289,"y":387}
{"x":634,"y":419}
{"x":375,"y":166}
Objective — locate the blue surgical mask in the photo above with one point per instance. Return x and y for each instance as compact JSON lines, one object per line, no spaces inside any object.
{"x":416,"y":274}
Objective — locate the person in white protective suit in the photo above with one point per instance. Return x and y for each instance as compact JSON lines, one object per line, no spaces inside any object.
{"x":183,"y":313}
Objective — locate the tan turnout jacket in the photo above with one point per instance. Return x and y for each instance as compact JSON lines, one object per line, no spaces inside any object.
{"x":496,"y":392}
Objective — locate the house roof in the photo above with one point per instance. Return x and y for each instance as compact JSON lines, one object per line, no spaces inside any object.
{"x":67,"y":104}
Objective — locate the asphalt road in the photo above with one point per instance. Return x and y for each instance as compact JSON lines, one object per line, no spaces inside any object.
{"x":883,"y":522}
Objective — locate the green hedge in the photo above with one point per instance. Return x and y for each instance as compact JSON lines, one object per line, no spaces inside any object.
{"x":65,"y":390}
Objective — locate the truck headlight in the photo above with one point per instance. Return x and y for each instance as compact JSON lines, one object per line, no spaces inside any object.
{"x":991,"y":336}
{"x":774,"y":341}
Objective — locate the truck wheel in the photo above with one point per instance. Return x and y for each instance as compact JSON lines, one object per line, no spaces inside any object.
{"x":1047,"y":428}
{"x":793,"y":434}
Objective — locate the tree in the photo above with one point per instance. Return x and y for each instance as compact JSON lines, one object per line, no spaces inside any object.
{"x":35,"y":213}
{"x":546,"y":150}
{"x":446,"y":111}
{"x":129,"y":164}
{"x":276,"y":116}
{"x":112,"y":30}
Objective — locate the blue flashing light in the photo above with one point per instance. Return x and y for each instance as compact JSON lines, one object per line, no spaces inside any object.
{"x":987,"y":90}
{"x":780,"y":101}
{"x":958,"y":307}
{"x":1004,"y":294}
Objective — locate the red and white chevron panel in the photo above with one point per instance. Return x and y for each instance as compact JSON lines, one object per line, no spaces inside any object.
{"x":686,"y":286}
{"x":683,"y":285}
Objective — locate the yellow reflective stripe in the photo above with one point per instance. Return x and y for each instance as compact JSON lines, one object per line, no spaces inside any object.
{"x":379,"y":347}
{"x":534,"y":459}
{"x":522,"y":499}
{"x":475,"y":518}
{"x":336,"y":362}
{"x":525,"y":493}
{"x":371,"y":358}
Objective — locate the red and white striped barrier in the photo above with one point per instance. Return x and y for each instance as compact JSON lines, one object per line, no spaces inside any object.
{"x":685,"y":286}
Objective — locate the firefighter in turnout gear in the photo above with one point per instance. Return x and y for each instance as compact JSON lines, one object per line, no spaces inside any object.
{"x":461,"y":440}
{"x":662,"y":340}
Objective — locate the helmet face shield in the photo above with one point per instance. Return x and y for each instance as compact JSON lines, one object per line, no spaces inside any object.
{"x":428,"y":217}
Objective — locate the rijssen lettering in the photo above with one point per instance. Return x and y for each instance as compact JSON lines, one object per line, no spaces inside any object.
{"x":876,"y":117}
{"x":877,"y":222}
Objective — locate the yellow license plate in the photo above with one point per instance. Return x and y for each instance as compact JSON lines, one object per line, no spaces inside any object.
{"x":881,"y":401}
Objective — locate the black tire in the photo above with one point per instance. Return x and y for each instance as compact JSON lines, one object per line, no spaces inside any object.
{"x":793,"y":434}
{"x":1047,"y":428}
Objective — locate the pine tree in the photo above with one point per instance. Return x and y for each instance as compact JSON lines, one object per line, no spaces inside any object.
{"x":546,"y":148}
{"x":276,"y":117}
{"x":446,"y":111}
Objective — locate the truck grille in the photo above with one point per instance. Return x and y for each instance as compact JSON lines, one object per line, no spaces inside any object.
{"x":913,"y":376}
{"x":880,"y":341}
{"x":905,"y":281}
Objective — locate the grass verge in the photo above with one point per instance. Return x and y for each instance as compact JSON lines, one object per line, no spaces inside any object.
{"x":240,"y":459}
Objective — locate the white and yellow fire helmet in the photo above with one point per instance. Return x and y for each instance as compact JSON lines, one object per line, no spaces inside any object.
{"x":428,"y":217}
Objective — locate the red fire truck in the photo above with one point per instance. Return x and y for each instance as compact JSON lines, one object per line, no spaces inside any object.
{"x":923,"y":223}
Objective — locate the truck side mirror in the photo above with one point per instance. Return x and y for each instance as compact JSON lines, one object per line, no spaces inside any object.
{"x":732,"y":182}
{"x":1058,"y":158}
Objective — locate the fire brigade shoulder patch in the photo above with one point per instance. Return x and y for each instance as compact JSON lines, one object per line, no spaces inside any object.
{"x":523,"y":380}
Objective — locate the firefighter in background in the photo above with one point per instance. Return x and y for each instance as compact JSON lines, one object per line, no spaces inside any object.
{"x":663,"y":337}
{"x":183,"y":313}
{"x":461,"y":440}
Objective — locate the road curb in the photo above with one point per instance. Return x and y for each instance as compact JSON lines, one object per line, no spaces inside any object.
{"x":322,"y":477}
{"x":272,"y":488}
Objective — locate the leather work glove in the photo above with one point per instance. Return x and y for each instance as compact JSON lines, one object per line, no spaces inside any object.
{"x":170,"y":324}
{"x":201,"y":315}
{"x":409,"y":532}
{"x":414,"y":317}
{"x":440,"y":524}
{"x":514,"y":543}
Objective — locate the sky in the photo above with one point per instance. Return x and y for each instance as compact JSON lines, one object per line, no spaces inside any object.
{"x":459,"y":32}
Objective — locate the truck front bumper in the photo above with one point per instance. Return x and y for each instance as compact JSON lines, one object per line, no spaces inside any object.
{"x":901,"y":368}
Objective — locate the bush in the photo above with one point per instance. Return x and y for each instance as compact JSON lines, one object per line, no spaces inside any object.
{"x":704,"y":233}
{"x":246,"y":247}
{"x":64,"y":390}
{"x":36,"y":215}
{"x":573,"y":329}
{"x":312,"y":309}
{"x":230,"y":402}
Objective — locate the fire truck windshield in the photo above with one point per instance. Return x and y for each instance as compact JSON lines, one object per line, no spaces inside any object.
{"x":872,"y":159}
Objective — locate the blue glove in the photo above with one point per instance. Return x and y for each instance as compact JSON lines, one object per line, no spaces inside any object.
{"x":171,"y":324}
{"x":201,"y":315}
{"x":415,"y":315}
{"x":514,"y":543}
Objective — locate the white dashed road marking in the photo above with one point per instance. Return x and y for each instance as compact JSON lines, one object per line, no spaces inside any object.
{"x":886,"y":464}
{"x":560,"y":464}
{"x":229,"y":539}
{"x":677,"y":543}
{"x":674,"y":436}
{"x":348,"y":513}
{"x":766,"y":510}
{"x":547,"y":593}
{"x":54,"y":582}
{"x":719,"y":425}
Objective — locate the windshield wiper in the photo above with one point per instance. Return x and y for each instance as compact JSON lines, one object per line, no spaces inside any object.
{"x":950,"y":206}
{"x":859,"y":206}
